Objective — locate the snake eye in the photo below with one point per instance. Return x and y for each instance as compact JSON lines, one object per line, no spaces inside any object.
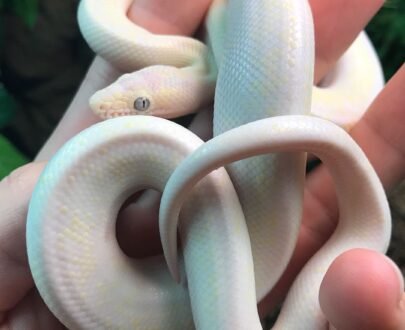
{"x":141,"y":104}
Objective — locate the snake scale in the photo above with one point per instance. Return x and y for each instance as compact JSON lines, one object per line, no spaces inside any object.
{"x":238,"y":226}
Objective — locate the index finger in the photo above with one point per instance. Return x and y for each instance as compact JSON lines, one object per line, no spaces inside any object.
{"x":15,"y":193}
{"x":336,"y":24}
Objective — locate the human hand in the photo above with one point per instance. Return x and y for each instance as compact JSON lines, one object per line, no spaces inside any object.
{"x":340,"y":22}
{"x":21,"y":304}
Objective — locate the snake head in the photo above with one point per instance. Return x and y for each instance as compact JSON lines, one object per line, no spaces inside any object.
{"x":162,"y":91}
{"x":131,"y":94}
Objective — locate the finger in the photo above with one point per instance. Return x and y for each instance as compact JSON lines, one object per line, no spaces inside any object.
{"x":31,"y":313}
{"x":363,"y":290}
{"x":380,"y":132}
{"x":183,"y":19}
{"x":336,"y":24}
{"x":137,"y":226}
{"x":15,"y":193}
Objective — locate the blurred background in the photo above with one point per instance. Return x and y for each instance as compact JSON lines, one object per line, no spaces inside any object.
{"x":43,"y":59}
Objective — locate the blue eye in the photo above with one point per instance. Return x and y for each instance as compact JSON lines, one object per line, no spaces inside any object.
{"x":142,"y":104}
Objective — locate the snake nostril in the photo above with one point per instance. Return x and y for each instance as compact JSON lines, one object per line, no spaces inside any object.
{"x":96,"y":106}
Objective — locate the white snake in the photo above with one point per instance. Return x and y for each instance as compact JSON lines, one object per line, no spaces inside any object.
{"x":80,"y":271}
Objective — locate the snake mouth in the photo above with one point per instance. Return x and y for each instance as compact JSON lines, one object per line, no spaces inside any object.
{"x":105,"y":109}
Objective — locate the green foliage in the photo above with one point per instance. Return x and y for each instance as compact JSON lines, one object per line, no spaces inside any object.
{"x":10,"y":158}
{"x":26,"y":9}
{"x":387,"y":31}
{"x":7,"y":106}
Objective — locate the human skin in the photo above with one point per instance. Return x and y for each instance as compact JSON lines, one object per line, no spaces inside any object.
{"x":358,"y":280}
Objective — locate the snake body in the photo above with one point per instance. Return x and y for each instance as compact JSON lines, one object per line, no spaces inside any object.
{"x":232,"y":258}
{"x":178,"y":75}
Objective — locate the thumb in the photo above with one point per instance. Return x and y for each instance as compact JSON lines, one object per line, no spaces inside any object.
{"x":363,"y":289}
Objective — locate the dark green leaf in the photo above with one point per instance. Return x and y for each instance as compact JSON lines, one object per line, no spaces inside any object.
{"x":387,"y":31}
{"x":7,"y":106}
{"x":26,"y":9}
{"x":10,"y":157}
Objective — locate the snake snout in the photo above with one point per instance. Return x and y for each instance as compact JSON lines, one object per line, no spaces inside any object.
{"x":104,"y":106}
{"x":97,"y":105}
